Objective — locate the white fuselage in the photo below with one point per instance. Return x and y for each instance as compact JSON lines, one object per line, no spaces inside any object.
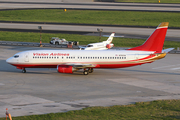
{"x":101,"y":59}
{"x":96,"y":46}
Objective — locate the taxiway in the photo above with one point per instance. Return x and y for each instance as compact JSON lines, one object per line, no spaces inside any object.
{"x":81,"y":5}
{"x":41,"y":91}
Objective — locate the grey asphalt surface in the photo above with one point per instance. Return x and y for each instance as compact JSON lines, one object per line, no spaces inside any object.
{"x":86,"y":4}
{"x":41,"y":91}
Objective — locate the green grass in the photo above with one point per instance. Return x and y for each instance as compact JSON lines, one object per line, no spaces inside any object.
{"x":155,"y":110}
{"x":150,"y":1}
{"x":93,"y":17}
{"x":83,"y":39}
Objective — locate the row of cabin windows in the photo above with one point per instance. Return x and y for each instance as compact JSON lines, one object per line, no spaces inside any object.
{"x":82,"y":57}
{"x":47,"y":57}
{"x":101,"y":57}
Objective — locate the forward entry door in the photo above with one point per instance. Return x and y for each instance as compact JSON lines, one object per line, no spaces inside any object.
{"x":26,"y":58}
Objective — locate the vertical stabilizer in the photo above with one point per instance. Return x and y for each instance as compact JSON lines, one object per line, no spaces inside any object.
{"x":110,"y":39}
{"x":155,"y":41}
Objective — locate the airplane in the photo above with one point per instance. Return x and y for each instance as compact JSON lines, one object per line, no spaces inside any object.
{"x":104,"y":45}
{"x":69,"y":61}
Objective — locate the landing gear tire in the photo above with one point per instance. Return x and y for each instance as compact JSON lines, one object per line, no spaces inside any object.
{"x":23,"y":70}
{"x":86,"y":72}
{"x":56,"y":43}
{"x":90,"y":70}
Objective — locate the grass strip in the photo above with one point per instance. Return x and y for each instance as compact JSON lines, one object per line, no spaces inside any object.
{"x":149,"y":1}
{"x":92,"y":17}
{"x":83,"y":39}
{"x":155,"y":110}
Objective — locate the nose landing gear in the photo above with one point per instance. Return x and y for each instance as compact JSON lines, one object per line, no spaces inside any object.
{"x":23,"y":70}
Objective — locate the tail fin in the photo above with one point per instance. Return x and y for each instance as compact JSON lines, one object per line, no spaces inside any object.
{"x":110,"y":39}
{"x":155,"y":41}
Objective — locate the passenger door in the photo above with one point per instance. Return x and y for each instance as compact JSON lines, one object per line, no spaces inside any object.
{"x":26,"y":57}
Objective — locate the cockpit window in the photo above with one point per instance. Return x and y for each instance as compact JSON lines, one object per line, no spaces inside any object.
{"x":16,"y":56}
{"x":89,"y":45}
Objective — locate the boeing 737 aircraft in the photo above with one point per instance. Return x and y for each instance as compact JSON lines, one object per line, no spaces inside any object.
{"x":104,"y":45}
{"x":69,"y":61}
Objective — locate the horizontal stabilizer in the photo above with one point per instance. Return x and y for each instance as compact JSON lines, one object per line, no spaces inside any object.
{"x":167,"y":50}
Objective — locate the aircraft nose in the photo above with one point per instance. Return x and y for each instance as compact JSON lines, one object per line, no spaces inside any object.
{"x":9,"y":60}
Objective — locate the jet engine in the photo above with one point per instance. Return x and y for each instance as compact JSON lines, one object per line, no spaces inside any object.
{"x":109,"y":46}
{"x":65,"y":69}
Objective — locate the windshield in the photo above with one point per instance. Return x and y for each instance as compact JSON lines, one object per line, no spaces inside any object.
{"x":89,"y":45}
{"x":16,"y":56}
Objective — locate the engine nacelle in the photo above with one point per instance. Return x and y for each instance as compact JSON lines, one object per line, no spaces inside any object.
{"x":65,"y":69}
{"x":109,"y":46}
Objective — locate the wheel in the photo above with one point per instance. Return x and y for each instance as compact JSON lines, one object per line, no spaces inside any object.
{"x":24,"y":71}
{"x":75,"y":42}
{"x":56,"y":43}
{"x":86,"y":72}
{"x":90,"y":70}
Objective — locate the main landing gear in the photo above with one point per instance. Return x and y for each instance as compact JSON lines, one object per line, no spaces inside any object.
{"x":86,"y":72}
{"x":23,"y":70}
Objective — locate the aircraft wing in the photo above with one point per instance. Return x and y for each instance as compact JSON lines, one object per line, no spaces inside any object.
{"x":167,"y":50}
{"x":79,"y":65}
